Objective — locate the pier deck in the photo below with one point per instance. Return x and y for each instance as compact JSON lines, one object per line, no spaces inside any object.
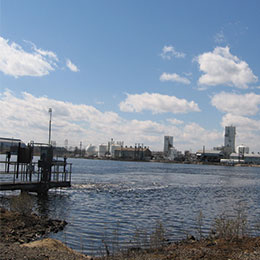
{"x":24,"y":174}
{"x":39,"y":187}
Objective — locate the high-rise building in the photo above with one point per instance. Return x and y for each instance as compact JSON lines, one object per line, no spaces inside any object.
{"x":168,"y":144}
{"x":230,"y":136}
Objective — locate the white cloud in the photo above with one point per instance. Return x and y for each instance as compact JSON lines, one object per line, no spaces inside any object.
{"x":220,"y":67}
{"x":168,"y":52}
{"x":157,"y":103}
{"x":220,"y":37}
{"x":247,"y":104}
{"x":174,"y":77}
{"x":49,"y":54}
{"x":245,"y":123}
{"x":27,"y":117}
{"x":175,"y":121}
{"x":14,"y":61}
{"x":71,"y":66}
{"x":193,"y":133}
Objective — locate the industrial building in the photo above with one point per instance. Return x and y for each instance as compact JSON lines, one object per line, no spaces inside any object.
{"x":229,"y":140}
{"x":169,"y":151}
{"x":213,"y":156}
{"x":10,"y":144}
{"x":107,"y":150}
{"x":137,"y":153}
{"x":246,"y":158}
{"x":242,"y":149}
{"x":168,"y":144}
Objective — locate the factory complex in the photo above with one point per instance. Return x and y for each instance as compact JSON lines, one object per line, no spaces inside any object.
{"x":228,"y":154}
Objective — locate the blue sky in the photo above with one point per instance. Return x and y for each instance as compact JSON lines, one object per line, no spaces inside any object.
{"x":130,"y":70}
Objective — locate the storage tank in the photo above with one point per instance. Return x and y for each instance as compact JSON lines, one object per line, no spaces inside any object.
{"x":91,"y":150}
{"x":102,"y":150}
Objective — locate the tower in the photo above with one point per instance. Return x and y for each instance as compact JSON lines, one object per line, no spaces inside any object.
{"x":230,"y":136}
{"x":168,"y":143}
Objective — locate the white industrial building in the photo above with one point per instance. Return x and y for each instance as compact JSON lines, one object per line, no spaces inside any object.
{"x":108,"y":150}
{"x":102,"y":150}
{"x":114,"y":145}
{"x":246,"y":158}
{"x":242,"y":149}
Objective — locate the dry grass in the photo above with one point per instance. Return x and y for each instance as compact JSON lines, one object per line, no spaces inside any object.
{"x":229,"y":238}
{"x":231,"y":227}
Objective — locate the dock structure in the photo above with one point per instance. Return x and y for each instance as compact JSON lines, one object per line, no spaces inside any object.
{"x":25,"y":174}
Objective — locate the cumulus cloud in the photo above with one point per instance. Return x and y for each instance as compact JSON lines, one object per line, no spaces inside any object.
{"x":15,"y":61}
{"x":242,"y":122}
{"x":71,"y":66}
{"x":169,"y":52}
{"x":220,"y":67}
{"x":193,"y":133}
{"x":175,"y":121}
{"x":174,"y":77}
{"x":157,"y":103}
{"x":247,"y":104}
{"x":27,"y":117}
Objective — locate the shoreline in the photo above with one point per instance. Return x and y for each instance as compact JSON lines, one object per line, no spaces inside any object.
{"x":170,"y":162}
{"x":23,"y":237}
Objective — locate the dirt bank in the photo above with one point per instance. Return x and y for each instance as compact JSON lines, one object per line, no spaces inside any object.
{"x":18,"y":233}
{"x":191,"y":249}
{"x":20,"y":228}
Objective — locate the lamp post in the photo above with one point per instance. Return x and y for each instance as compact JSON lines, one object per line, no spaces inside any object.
{"x":50,"y":111}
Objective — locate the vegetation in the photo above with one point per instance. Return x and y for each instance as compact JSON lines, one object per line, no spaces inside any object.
{"x":228,"y":235}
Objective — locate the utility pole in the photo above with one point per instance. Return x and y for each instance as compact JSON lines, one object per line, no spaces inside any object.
{"x":80,"y":148}
{"x":50,"y":111}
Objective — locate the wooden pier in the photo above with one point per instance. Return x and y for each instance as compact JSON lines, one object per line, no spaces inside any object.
{"x":23,"y":173}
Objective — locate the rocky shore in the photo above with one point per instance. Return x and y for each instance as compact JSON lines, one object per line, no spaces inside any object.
{"x":20,"y":228}
{"x":20,"y":234}
{"x":22,"y":237}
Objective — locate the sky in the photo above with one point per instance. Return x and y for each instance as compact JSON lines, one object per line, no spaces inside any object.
{"x":132,"y":70}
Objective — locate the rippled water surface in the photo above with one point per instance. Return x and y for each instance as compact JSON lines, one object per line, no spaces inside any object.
{"x":113,"y":196}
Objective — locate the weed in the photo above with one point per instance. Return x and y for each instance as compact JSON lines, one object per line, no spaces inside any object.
{"x":199,"y":221}
{"x":140,"y":238}
{"x":229,"y":227}
{"x":158,"y":236}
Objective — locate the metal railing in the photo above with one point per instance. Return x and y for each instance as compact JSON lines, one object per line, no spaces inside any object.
{"x":13,"y":172}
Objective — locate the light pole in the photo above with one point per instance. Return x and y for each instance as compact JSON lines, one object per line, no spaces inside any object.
{"x":50,"y":111}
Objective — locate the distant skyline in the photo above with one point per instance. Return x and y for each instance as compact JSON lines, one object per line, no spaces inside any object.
{"x":134,"y":71}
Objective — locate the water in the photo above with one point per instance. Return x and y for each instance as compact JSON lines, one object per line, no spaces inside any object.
{"x":113,"y":196}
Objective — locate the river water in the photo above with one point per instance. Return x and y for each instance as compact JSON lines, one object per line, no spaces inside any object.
{"x":112,"y":199}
